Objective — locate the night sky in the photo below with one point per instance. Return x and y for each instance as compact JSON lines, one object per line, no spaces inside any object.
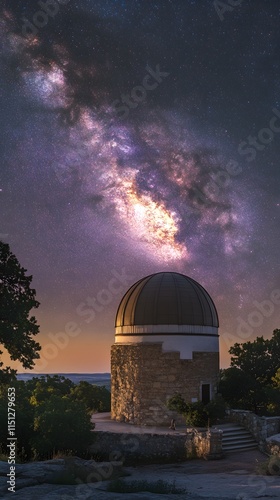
{"x":140,"y":136}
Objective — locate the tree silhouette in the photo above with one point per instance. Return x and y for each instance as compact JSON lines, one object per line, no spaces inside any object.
{"x":260,"y":358}
{"x":16,"y":301}
{"x":253,"y":380}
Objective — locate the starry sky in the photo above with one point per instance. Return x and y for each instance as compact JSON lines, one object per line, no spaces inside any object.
{"x":140,"y":136}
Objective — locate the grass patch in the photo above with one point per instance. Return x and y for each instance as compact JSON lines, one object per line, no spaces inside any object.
{"x":63,"y":477}
{"x":76,"y":473}
{"x":160,"y":486}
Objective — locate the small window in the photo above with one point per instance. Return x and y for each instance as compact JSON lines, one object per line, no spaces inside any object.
{"x":205,"y":393}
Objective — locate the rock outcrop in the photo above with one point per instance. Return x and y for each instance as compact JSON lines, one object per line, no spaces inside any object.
{"x":62,"y":479}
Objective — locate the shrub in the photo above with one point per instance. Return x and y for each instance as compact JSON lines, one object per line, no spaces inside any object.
{"x":61,"y":424}
{"x":198,"y":414}
{"x":52,"y":414}
{"x":215,"y":409}
{"x":24,"y":420}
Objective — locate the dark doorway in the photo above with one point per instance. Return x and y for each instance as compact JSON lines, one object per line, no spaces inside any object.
{"x":205,"y":393}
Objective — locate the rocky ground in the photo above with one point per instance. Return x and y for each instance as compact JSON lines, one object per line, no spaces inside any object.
{"x":233,"y":477}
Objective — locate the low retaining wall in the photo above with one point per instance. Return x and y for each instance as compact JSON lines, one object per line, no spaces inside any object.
{"x":260,"y":427}
{"x":130,"y":448}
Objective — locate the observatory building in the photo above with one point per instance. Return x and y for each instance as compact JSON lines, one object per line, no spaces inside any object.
{"x":166,"y":342}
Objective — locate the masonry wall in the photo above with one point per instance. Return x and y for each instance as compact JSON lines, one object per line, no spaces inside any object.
{"x":272,"y":445}
{"x":143,"y":378}
{"x":144,"y":448}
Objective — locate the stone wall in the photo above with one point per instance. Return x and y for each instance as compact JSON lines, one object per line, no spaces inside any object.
{"x":156,"y":448}
{"x":260,"y":427}
{"x":273,"y":445}
{"x":143,"y":378}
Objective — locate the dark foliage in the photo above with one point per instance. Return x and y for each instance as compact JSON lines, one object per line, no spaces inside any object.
{"x":198,"y":414}
{"x":252,"y":381}
{"x":49,"y":417}
{"x":17,"y":299}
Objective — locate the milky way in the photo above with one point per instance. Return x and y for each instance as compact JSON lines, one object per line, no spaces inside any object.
{"x":153,"y":189}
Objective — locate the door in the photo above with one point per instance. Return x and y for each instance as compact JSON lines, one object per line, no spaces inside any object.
{"x":205,"y":393}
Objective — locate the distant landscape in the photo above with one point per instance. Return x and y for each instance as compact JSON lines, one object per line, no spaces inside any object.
{"x":93,"y":378}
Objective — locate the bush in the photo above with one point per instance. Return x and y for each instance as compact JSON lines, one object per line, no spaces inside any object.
{"x":52,"y":414}
{"x":198,"y":414}
{"x":216,"y":410}
{"x":24,"y":420}
{"x":61,"y":424}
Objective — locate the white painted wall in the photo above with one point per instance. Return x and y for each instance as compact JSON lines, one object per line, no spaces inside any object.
{"x":185,"y":344}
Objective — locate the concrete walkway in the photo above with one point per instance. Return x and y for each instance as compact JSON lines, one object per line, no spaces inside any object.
{"x":103,"y":422}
